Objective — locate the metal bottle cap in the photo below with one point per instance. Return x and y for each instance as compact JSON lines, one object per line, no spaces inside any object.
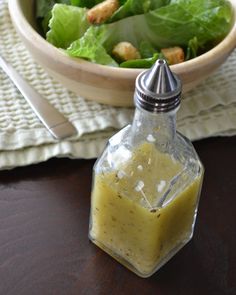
{"x":158,"y":89}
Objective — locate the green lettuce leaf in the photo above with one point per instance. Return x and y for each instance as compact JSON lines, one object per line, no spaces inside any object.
{"x":192,"y":49}
{"x":134,"y":7}
{"x":67,"y":24}
{"x":43,"y":7}
{"x":173,"y":25}
{"x":183,"y":20}
{"x":143,"y":63}
{"x":43,"y":12}
{"x":90,"y":47}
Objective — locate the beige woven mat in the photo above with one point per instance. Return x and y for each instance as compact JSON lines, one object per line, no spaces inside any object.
{"x":209,"y":110}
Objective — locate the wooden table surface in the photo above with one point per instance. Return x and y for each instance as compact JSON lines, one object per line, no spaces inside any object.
{"x":44,"y":246}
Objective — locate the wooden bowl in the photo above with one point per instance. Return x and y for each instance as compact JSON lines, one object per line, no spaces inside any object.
{"x":104,"y":84}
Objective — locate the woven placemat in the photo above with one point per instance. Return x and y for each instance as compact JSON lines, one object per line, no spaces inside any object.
{"x":208,"y":110}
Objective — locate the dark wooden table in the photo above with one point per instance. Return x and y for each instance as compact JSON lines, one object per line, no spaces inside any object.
{"x":44,"y":248}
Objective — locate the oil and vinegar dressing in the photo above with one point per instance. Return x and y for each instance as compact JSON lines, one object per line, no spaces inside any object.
{"x":129,"y":218}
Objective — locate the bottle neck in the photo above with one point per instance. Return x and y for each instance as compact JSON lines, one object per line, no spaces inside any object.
{"x":156,"y":128}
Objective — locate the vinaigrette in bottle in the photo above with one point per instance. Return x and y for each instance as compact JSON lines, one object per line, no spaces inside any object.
{"x":147,"y":182}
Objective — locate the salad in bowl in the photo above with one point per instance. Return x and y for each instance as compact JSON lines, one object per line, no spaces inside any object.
{"x":134,"y":33}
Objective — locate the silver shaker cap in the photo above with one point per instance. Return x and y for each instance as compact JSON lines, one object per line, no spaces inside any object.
{"x":158,"y":89}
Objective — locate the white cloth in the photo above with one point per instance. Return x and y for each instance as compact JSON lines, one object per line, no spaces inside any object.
{"x":208,"y":110}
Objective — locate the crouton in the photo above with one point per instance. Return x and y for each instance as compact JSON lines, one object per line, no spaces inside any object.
{"x":102,"y":11}
{"x":174,"y":55}
{"x":124,"y":51}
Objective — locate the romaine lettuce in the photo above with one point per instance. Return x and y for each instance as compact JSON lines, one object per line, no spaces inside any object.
{"x":179,"y":22}
{"x":134,"y":7}
{"x":43,"y":12}
{"x":143,"y":63}
{"x":195,"y":25}
{"x":68,"y":23}
{"x":90,"y":47}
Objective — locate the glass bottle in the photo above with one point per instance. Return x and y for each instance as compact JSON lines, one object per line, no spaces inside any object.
{"x":147,"y":182}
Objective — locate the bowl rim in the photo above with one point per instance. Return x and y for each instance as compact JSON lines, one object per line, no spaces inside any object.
{"x":28,"y":32}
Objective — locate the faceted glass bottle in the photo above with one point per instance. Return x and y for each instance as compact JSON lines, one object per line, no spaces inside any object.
{"x":147,"y":182}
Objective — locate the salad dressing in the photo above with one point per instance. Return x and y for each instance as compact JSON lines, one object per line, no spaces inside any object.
{"x":147,"y":182}
{"x":124,"y":225}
